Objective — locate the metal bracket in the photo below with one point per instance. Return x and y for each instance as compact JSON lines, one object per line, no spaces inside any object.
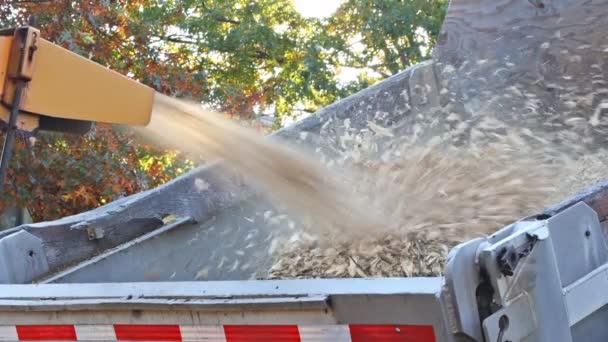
{"x":512,"y":323}
{"x":547,"y":276}
{"x":22,"y":258}
{"x":459,"y":290}
{"x":24,"y":46}
{"x":94,"y":233}
{"x":510,"y":256}
{"x":579,"y":301}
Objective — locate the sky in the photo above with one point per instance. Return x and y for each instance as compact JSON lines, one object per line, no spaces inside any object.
{"x":322,"y":9}
{"x":317,"y":8}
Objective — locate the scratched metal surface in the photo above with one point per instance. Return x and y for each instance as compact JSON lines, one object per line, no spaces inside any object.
{"x":539,"y":64}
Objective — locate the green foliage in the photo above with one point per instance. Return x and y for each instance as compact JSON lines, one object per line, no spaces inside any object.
{"x":386,"y":36}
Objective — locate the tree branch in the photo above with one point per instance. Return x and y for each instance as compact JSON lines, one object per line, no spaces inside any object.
{"x":176,"y":39}
{"x":306,"y":110}
{"x":219,"y":18}
{"x":226,"y":20}
{"x":361,"y":66}
{"x":89,"y":19}
{"x":383,"y":74}
{"x":405,"y":62}
{"x":375,"y":67}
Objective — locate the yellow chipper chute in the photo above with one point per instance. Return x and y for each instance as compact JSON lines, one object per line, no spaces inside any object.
{"x":46,"y":87}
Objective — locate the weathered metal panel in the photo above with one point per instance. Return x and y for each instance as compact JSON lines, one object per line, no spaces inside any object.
{"x":224,"y":289}
{"x":21,"y":258}
{"x":235,"y":244}
{"x":533,"y":64}
{"x":410,"y":301}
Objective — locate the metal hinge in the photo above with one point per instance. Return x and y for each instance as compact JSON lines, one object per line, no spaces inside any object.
{"x":509,"y":256}
{"x":19,"y":72}
{"x":94,"y":233}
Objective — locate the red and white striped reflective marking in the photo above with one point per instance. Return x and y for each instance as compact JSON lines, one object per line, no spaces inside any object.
{"x":225,"y":333}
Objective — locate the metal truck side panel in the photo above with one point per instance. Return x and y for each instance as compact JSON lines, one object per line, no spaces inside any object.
{"x":405,"y":302}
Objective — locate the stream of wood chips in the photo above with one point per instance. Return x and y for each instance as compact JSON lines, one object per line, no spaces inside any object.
{"x":394,"y":215}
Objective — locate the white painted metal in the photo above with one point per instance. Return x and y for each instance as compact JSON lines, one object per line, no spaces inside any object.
{"x":8,"y":333}
{"x":194,"y":333}
{"x":95,"y":332}
{"x":552,"y":286}
{"x":337,"y":333}
{"x":587,"y":295}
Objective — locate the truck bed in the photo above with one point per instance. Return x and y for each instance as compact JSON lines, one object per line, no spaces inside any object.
{"x":183,"y":232}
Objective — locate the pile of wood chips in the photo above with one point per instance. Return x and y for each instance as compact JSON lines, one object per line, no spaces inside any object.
{"x":391,"y":255}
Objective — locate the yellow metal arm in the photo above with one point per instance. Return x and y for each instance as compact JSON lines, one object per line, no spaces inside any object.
{"x":64,"y":85}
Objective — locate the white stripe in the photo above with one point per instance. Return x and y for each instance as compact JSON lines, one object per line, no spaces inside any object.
{"x":210,"y":333}
{"x":95,"y":332}
{"x":8,"y":333}
{"x":337,"y":333}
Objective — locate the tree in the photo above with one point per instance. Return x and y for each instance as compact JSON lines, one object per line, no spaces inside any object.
{"x":384,"y":36}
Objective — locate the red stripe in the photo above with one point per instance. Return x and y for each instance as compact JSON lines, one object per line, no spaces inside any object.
{"x":390,"y":333}
{"x":46,"y":333}
{"x":261,"y":333}
{"x":128,"y":332}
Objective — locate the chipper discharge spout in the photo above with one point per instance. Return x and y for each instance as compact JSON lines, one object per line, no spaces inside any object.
{"x":46,"y":87}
